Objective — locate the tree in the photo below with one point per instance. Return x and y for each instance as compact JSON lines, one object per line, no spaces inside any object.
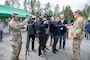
{"x":63,"y":10}
{"x":7,"y":3}
{"x":51,"y":12}
{"x":31,"y":5}
{"x":57,"y":10}
{"x":13,"y":3}
{"x":86,"y":11}
{"x":38,"y":5}
{"x":25,"y":5}
{"x":47,"y":7}
{"x":68,"y":13}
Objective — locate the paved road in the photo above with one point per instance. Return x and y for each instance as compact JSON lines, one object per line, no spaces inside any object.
{"x":6,"y":50}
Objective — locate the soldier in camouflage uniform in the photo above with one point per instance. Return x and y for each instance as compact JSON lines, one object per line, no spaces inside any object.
{"x":15,"y":27}
{"x":77,"y":35}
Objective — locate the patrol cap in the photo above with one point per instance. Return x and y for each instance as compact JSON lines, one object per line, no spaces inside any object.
{"x":14,"y":13}
{"x":77,"y":11}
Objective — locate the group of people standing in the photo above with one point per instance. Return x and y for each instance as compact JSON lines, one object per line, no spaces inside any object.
{"x":41,"y":27}
{"x":56,"y":27}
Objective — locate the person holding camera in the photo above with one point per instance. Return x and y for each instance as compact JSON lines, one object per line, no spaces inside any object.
{"x":31,"y":33}
{"x":42,"y":25}
{"x":47,"y":17}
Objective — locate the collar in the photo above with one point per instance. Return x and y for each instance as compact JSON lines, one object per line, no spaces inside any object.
{"x":62,"y":20}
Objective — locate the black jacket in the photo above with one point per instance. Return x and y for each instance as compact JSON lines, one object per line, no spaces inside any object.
{"x":56,"y":28}
{"x":63,"y":29}
{"x":31,"y":27}
{"x":41,"y":28}
{"x":65,"y":22}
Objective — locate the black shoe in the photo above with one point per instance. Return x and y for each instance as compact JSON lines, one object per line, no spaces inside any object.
{"x":41,"y":55}
{"x":56,"y":50}
{"x":47,"y":48}
{"x":34,"y":50}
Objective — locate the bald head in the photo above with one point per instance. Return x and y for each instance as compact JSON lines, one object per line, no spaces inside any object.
{"x":62,"y":16}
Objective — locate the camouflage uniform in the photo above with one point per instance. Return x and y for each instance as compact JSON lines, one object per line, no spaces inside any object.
{"x":15,"y":27}
{"x":77,"y":38}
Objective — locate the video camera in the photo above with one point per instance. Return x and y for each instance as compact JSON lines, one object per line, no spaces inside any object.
{"x":48,"y":16}
{"x":33,"y":18}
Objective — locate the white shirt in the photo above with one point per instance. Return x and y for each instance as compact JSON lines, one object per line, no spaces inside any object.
{"x":62,"y":21}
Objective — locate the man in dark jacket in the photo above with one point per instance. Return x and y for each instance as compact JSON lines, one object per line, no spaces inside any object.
{"x":87,"y":28}
{"x":63,"y":31}
{"x":31,"y":33}
{"x":42,"y":25}
{"x":56,"y":31}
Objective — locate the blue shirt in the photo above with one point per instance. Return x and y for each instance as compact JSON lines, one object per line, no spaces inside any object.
{"x":1,"y":25}
{"x":87,"y":27}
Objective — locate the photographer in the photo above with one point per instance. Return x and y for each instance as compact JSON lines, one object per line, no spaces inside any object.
{"x":42,"y":25}
{"x":47,"y":17}
{"x":31,"y":33}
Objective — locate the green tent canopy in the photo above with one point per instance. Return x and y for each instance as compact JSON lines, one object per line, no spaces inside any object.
{"x":5,"y":15}
{"x":6,"y":11}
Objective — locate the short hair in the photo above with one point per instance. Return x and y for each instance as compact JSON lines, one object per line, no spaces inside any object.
{"x":40,"y":14}
{"x":13,"y":14}
{"x":78,"y":11}
{"x":62,"y":15}
{"x":56,"y":17}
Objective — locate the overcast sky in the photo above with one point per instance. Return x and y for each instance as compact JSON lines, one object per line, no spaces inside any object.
{"x":75,"y":4}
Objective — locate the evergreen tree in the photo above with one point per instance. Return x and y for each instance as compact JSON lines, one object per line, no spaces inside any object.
{"x":25,"y":5}
{"x":68,"y":12}
{"x":13,"y":3}
{"x":57,"y":10}
{"x":47,"y":7}
{"x":38,"y":5}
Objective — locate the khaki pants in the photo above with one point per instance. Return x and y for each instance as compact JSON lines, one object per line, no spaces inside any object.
{"x":76,"y":49}
{"x":16,"y":46}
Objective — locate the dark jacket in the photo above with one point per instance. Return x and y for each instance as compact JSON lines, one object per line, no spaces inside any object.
{"x":65,"y":22}
{"x":63,"y":29}
{"x":41,"y":28}
{"x":31,"y":27}
{"x":55,"y":28}
{"x":51,"y":27}
{"x":87,"y":27}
